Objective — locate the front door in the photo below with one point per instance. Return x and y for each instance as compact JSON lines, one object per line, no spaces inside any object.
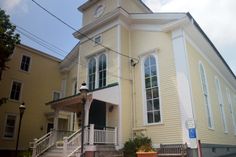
{"x":97,"y":114}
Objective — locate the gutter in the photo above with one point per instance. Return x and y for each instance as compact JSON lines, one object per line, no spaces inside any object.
{"x":209,"y":41}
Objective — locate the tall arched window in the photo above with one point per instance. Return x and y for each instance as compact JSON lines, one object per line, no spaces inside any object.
{"x":92,"y":73}
{"x":102,"y":70}
{"x":206,"y":95}
{"x":153,"y":113}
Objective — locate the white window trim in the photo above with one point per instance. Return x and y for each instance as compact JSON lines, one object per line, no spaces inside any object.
{"x":15,"y":127}
{"x":209,"y":99}
{"x":230,"y":103}
{"x":21,"y":89}
{"x":221,"y":101}
{"x":56,"y":91}
{"x":94,"y":43}
{"x":144,"y":57}
{"x":96,"y":57}
{"x":30,"y":64}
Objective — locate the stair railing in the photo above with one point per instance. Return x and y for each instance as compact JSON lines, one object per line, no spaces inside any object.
{"x":72,"y":144}
{"x":42,"y":144}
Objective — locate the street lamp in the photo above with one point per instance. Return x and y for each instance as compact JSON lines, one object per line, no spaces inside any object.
{"x":22,"y":109}
{"x":83,"y":91}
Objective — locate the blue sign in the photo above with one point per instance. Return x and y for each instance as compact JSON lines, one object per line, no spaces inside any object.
{"x":192,"y":133}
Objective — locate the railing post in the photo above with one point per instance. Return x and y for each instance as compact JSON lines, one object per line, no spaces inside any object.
{"x":91,"y":134}
{"x":65,"y":141}
{"x":34,"y":148}
{"x":116,"y":137}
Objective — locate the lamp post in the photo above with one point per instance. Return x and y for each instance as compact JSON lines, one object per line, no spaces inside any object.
{"x":22,"y":109}
{"x":83,"y":91}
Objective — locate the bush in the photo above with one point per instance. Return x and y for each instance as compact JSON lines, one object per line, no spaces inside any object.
{"x":133,"y":145}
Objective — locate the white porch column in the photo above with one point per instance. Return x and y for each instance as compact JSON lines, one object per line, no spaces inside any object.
{"x":55,"y":122}
{"x":87,"y":107}
{"x":184,"y":87}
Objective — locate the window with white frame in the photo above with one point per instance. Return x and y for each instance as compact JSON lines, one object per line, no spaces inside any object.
{"x":231,"y":108}
{"x":152,"y":99}
{"x":25,"y":63}
{"x":97,"y":40}
{"x":10,"y":124}
{"x":221,"y":104}
{"x":92,"y":73}
{"x":15,"y":90}
{"x":206,"y":95}
{"x":56,"y":95}
{"x":97,"y":71}
{"x":102,"y":70}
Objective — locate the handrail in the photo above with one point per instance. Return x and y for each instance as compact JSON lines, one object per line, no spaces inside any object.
{"x":43,"y":137}
{"x":74,"y":151}
{"x":72,"y":135}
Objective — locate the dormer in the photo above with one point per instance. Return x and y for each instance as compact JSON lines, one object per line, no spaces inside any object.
{"x":94,"y":9}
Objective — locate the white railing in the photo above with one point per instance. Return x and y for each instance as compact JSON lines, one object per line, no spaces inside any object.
{"x":72,"y":144}
{"x":42,"y":144}
{"x":106,"y":136}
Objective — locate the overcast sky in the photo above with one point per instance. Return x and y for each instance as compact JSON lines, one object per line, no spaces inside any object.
{"x":216,"y":18}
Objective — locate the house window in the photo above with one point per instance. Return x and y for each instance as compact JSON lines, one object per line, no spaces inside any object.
{"x":97,"y":40}
{"x":231,"y":109}
{"x":15,"y":90}
{"x":25,"y":63}
{"x":221,"y":104}
{"x":56,"y":96}
{"x":97,"y":71}
{"x":74,"y":88}
{"x":10,"y":125}
{"x":153,"y":113}
{"x":92,"y":73}
{"x":206,"y":95}
{"x":102,"y":70}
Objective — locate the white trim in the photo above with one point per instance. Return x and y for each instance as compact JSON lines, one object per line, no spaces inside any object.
{"x":30,"y":63}
{"x":208,"y":94}
{"x":120,"y":135}
{"x":221,"y":102}
{"x":154,"y":54}
{"x":15,"y":126}
{"x":21,"y":90}
{"x":183,"y":84}
{"x":231,"y":109}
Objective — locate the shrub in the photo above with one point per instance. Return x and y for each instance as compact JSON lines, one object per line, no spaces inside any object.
{"x":138,"y":143}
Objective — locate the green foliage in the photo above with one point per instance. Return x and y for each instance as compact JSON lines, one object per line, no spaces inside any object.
{"x":8,"y":39}
{"x":25,"y":153}
{"x":138,"y":143}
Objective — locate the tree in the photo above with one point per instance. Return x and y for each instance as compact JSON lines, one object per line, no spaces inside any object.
{"x":8,"y":40}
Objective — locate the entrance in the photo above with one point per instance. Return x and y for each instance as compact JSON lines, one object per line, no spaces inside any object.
{"x":97,"y":114}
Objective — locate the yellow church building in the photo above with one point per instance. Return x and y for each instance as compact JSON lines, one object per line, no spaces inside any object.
{"x":156,"y":74}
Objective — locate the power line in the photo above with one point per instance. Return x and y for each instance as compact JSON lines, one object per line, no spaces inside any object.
{"x":84,"y":35}
{"x":42,"y":42}
{"x":23,"y":29}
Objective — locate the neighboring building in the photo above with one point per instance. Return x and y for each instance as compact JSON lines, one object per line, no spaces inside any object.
{"x":34,"y":78}
{"x":152,"y":73}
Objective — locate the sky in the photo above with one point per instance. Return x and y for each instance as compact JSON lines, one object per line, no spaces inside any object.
{"x":216,"y":18}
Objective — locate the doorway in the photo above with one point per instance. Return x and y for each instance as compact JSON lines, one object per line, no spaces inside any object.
{"x":97,"y":114}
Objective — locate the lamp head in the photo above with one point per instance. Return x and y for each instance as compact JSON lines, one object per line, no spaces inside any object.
{"x":22,"y":108}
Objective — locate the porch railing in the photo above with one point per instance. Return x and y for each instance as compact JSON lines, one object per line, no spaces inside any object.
{"x":72,"y":144}
{"x":42,"y":144}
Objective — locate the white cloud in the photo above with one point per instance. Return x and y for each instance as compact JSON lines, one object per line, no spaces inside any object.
{"x":216,"y":18}
{"x":13,"y":5}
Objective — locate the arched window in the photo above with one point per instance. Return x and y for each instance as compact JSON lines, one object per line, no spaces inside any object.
{"x":102,"y":70}
{"x":153,"y":113}
{"x":92,"y":73}
{"x":206,"y":95}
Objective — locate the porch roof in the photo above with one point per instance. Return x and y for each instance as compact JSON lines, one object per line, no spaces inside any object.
{"x":108,"y":94}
